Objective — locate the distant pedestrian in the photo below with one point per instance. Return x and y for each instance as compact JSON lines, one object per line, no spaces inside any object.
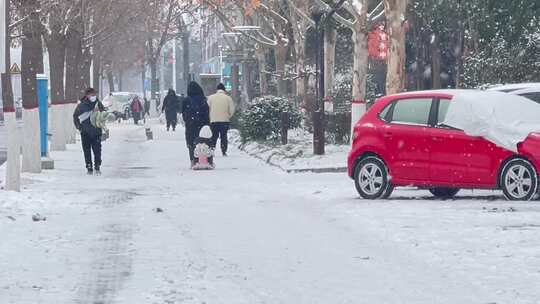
{"x":136,"y":109}
{"x":146,"y":108}
{"x":195,"y":114}
{"x":221,"y":111}
{"x":90,"y":134}
{"x":171,"y":108}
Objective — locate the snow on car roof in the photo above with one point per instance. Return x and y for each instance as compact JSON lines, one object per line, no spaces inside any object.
{"x":504,"y":119}
{"x":450,"y":92}
{"x":123,"y":93}
{"x":532,"y":89}
{"x":513,"y":86}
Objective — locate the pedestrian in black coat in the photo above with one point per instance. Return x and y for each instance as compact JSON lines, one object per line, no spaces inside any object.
{"x":146,"y":107}
{"x":195,"y":113}
{"x":90,"y":135}
{"x":171,"y":105}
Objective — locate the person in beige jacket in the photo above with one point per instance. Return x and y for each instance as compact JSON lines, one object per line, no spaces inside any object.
{"x":221,"y":110}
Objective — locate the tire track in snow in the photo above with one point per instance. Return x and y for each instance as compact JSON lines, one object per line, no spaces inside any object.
{"x":112,"y":255}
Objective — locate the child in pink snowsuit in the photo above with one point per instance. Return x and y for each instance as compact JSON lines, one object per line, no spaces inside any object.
{"x":204,"y":154}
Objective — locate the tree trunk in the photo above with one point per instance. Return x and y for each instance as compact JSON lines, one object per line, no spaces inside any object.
{"x":110,"y":80}
{"x":85,"y":64}
{"x":235,"y":92}
{"x":246,"y":76}
{"x":74,"y":91}
{"x":57,"y":56}
{"x":281,"y":58}
{"x":395,"y":19}
{"x":154,"y":80}
{"x":435,"y":63}
{"x":13,"y":172}
{"x":459,"y":48}
{"x":31,"y":63}
{"x":143,"y":80}
{"x":185,"y":59}
{"x":121,"y":80}
{"x":330,"y":40}
{"x":360,"y":64}
{"x":261,"y":63}
{"x":299,"y":26}
{"x":73,"y":57}
{"x":301,"y":80}
{"x":96,"y":74}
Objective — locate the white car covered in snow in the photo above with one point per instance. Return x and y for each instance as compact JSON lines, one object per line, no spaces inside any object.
{"x":527,"y":90}
{"x":119,"y":103}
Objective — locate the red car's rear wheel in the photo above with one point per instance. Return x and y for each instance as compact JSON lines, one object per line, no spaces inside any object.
{"x":519,"y":180}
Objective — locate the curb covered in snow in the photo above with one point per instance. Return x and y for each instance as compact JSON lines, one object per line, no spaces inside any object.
{"x":295,"y":157}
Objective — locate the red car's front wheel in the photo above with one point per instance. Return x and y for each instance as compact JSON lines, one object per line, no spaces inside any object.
{"x":372,"y":180}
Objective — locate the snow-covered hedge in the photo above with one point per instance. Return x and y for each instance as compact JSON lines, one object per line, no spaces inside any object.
{"x":262,"y":118}
{"x":504,"y":62}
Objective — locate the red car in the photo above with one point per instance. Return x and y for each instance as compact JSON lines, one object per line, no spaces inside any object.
{"x":401,"y":141}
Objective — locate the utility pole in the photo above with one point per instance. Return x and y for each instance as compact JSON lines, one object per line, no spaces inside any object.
{"x":13,"y":172}
{"x":318,"y":111}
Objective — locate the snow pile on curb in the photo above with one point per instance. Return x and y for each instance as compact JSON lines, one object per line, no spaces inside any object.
{"x":297,"y":156}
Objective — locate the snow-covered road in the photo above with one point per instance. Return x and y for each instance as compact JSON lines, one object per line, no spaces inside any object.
{"x":248,"y":233}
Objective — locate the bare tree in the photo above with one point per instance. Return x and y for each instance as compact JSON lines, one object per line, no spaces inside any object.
{"x":397,"y":23}
{"x":31,"y":64}
{"x":161,"y":25}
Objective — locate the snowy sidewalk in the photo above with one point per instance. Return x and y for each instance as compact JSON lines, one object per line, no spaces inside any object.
{"x":249,"y":233}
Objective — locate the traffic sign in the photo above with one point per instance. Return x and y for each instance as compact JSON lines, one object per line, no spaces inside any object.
{"x":15,"y":69}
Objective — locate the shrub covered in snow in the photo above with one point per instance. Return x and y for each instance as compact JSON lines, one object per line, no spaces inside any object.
{"x":262,"y":118}
{"x":504,"y":62}
{"x":338,"y":127}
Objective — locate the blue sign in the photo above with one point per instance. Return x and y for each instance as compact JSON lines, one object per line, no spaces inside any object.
{"x":43,"y":99}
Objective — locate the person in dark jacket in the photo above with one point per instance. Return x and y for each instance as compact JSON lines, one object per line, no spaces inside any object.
{"x":171,"y":108}
{"x":146,"y":107}
{"x":195,"y":113}
{"x":136,"y":109}
{"x":90,"y":135}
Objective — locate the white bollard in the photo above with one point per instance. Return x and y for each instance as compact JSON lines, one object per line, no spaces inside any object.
{"x":13,"y":172}
{"x":357,"y":111}
{"x":31,"y":141}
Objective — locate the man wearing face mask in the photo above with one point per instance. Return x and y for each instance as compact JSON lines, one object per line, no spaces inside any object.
{"x":90,"y":135}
